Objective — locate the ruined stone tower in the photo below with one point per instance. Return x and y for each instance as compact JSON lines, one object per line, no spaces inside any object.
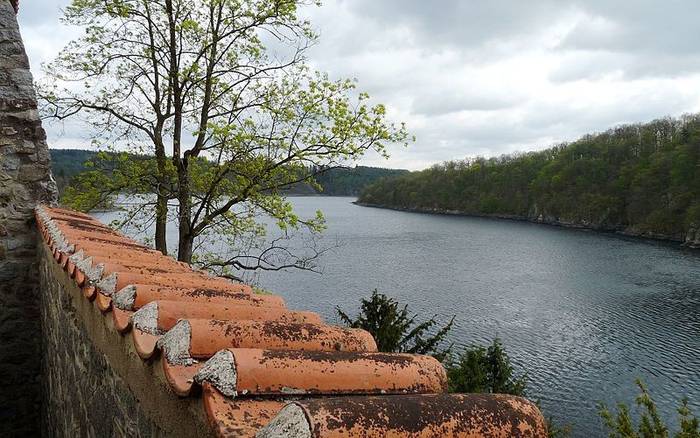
{"x":25,"y":181}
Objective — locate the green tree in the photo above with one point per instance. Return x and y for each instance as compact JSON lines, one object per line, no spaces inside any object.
{"x":395,"y":329}
{"x":231,"y":123}
{"x":650,"y":425}
{"x":644,"y":179}
{"x":480,"y":369}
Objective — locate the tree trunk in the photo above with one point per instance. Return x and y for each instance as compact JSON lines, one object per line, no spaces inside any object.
{"x":162,"y":198}
{"x":185,"y":237}
{"x":180,"y":161}
{"x":161,"y":224}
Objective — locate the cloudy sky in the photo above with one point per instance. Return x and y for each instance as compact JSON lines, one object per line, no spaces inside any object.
{"x":484,"y":77}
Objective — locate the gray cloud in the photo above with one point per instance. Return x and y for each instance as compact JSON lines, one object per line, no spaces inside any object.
{"x":457,"y":23}
{"x":442,"y":100}
{"x":644,"y":26}
{"x":485,"y":78}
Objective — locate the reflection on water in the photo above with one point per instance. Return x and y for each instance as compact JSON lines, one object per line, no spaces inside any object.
{"x":585,"y":314}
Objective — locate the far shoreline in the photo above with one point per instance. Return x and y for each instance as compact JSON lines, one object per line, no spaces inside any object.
{"x":669,"y":240}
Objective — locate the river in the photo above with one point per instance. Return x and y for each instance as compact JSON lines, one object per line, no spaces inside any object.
{"x":584,"y":313}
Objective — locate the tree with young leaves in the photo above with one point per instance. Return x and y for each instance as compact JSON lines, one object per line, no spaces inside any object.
{"x":219,"y":92}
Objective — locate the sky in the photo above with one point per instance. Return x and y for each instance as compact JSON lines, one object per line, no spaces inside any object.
{"x":481,"y":78}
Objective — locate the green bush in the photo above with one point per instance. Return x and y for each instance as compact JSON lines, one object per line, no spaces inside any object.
{"x":650,"y":425}
{"x":395,"y":330}
{"x":480,"y":369}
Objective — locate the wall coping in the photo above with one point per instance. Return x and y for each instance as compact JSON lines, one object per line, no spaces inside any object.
{"x":198,"y":350}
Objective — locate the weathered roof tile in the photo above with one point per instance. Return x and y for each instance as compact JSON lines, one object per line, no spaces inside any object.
{"x":135,"y":295}
{"x":437,"y":415}
{"x":265,"y":370}
{"x":285,"y":372}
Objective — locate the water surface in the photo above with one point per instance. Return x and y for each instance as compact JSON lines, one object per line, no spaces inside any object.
{"x":585,"y":314}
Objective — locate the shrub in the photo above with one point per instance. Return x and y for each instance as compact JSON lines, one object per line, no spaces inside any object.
{"x":621,"y":425}
{"x":480,"y":369}
{"x":395,"y":330}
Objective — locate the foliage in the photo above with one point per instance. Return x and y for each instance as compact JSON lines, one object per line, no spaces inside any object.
{"x":220,"y":94}
{"x":260,"y":291}
{"x":621,"y":425}
{"x":645,"y":178}
{"x":113,"y":173}
{"x":351,"y":181}
{"x":480,"y":369}
{"x":554,"y":430}
{"x":66,"y":164}
{"x":395,"y":329}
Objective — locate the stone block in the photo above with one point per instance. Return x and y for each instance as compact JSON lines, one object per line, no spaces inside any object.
{"x":10,"y":163}
{"x":8,"y":131}
{"x":33,"y":172}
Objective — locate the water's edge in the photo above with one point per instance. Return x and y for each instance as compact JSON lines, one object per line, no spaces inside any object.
{"x":691,"y":241}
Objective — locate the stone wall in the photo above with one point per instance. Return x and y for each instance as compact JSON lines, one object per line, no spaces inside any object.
{"x":83,"y":393}
{"x":25,"y":180}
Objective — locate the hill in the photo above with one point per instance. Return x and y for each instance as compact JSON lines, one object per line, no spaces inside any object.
{"x":641,"y":179}
{"x":66,"y":163}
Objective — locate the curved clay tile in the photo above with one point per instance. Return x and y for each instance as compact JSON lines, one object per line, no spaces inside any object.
{"x":180,"y":377}
{"x":137,"y":295}
{"x":438,"y":415}
{"x":95,"y":269}
{"x":154,"y":276}
{"x":240,"y":417}
{"x":157,"y":317}
{"x":144,"y":343}
{"x":67,"y":212}
{"x":205,"y":337}
{"x":168,"y":313}
{"x":121,"y":319}
{"x":271,"y":372}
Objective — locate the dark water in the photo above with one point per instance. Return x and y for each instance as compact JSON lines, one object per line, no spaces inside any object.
{"x":584,"y":313}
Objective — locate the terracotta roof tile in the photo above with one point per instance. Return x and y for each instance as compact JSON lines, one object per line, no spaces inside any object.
{"x":264,"y":369}
{"x":121,"y":319}
{"x":270,"y":372}
{"x":234,"y":418}
{"x":438,"y":415}
{"x":145,"y":343}
{"x":208,"y":336}
{"x":168,"y":313}
{"x":135,"y":295}
{"x":181,"y":377}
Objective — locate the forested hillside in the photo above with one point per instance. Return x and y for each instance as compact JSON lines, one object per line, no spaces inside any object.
{"x":351,"y":181}
{"x":67,"y":163}
{"x":641,"y":179}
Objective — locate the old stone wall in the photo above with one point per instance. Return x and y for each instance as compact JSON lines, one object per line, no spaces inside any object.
{"x":83,"y":394}
{"x":25,"y":180}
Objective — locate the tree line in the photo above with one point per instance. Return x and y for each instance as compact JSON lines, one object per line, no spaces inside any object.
{"x":68,"y":165}
{"x":640,"y":178}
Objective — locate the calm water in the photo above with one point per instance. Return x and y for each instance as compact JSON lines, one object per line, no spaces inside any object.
{"x":585,"y":314}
